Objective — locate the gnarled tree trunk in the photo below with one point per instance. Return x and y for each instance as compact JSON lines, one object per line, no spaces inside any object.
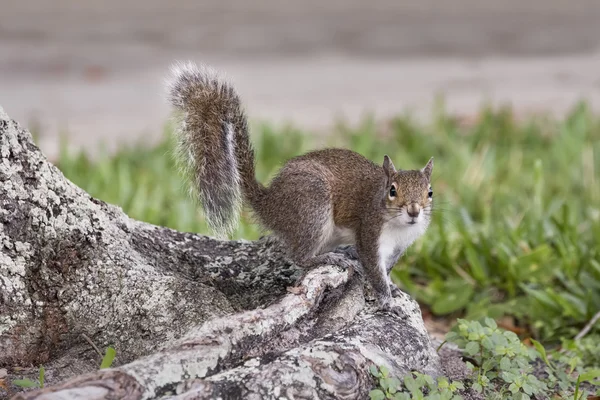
{"x":189,"y":316}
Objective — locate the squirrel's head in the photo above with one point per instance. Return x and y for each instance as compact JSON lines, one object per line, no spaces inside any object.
{"x":409,"y":196}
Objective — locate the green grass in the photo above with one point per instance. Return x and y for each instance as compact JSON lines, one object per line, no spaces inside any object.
{"x":517,"y":221}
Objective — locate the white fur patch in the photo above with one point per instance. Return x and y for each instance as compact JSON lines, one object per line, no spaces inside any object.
{"x":340,"y":236}
{"x":396,"y":236}
{"x":231,"y":158}
{"x":334,"y":236}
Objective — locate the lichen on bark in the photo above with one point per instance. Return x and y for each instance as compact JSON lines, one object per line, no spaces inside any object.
{"x":189,"y":316}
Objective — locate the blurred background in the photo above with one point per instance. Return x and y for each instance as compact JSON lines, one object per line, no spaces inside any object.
{"x":95,"y":69}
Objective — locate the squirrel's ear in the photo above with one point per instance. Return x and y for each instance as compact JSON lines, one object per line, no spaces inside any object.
{"x":388,"y":166}
{"x":428,"y":168}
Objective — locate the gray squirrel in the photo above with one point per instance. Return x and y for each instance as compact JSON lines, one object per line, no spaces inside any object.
{"x":318,"y":201}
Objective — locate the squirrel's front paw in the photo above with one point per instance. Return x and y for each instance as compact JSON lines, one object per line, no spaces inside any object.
{"x":385,"y":304}
{"x":396,"y":292}
{"x":387,"y":307}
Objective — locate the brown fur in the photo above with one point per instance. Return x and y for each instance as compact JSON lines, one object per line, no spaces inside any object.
{"x":214,"y":148}
{"x":312,"y":197}
{"x":340,"y":179}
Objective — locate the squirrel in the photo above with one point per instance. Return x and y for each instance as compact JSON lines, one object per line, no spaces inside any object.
{"x":317,"y":203}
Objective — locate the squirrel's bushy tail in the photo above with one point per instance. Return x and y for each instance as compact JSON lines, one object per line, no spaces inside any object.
{"x":213,"y":144}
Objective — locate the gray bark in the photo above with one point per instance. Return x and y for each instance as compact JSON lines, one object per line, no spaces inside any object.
{"x":191,"y":317}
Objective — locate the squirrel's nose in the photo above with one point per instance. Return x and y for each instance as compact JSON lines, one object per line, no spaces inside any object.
{"x":413,"y":210}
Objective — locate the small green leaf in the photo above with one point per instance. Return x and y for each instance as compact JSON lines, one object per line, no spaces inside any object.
{"x":374,"y":371}
{"x":491,"y":375}
{"x":589,"y":375}
{"x":472,"y":348}
{"x":450,"y":336}
{"x":508,"y":376}
{"x":377,"y":394}
{"x":384,"y":371}
{"x":538,"y":346}
{"x":383,"y":382}
{"x":487,"y":343}
{"x":428,"y":379}
{"x":489,"y":364}
{"x":511,"y":336}
{"x":477,"y":387}
{"x":457,"y":385}
{"x":41,"y":378}
{"x":442,"y":382}
{"x":491,"y":323}
{"x":573,"y":363}
{"x":25,"y":383}
{"x":478,"y":270}
{"x":505,"y":363}
{"x":418,"y":395}
{"x":390,"y":384}
{"x":395,"y":382}
{"x":411,"y":384}
{"x":419,"y":379}
{"x":577,"y":388}
{"x":109,"y":356}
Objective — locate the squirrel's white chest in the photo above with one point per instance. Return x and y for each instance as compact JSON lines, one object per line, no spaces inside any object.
{"x":394,"y":239}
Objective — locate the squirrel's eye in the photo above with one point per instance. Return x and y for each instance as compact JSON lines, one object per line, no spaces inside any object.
{"x":393,"y":192}
{"x":430,"y":193}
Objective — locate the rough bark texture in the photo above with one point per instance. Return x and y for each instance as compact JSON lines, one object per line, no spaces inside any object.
{"x":190,"y":317}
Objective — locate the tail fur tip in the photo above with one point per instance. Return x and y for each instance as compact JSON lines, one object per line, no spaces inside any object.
{"x":183,"y":76}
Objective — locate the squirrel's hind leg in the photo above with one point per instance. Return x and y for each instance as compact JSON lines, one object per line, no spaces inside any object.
{"x":297,"y":208}
{"x":307,"y":228}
